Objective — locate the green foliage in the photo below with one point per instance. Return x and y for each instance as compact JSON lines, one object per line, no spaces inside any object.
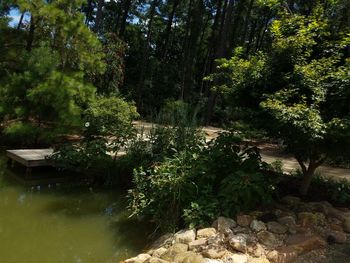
{"x":296,"y":89}
{"x":108,"y":128}
{"x":112,"y":117}
{"x":45,"y":83}
{"x":197,"y":184}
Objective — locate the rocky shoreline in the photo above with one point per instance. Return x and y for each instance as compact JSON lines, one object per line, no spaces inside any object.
{"x":278,"y":236}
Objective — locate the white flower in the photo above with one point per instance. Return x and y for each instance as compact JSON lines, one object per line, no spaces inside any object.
{"x":87,"y":124}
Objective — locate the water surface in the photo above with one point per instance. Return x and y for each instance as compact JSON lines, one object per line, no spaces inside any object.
{"x":56,"y":223}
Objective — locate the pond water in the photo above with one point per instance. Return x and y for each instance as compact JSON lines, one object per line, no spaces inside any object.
{"x":56,"y":223}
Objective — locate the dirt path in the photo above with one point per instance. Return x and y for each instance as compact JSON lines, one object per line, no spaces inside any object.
{"x":269,"y":153}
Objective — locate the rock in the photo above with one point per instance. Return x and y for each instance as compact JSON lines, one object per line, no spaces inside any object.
{"x":210,"y":260}
{"x":290,"y":200}
{"x":258,"y":260}
{"x":283,"y":255}
{"x":164,"y":241}
{"x":287,"y":221}
{"x":276,"y":228}
{"x":193,"y":259}
{"x":214,"y":253}
{"x":239,"y":258}
{"x":187,"y":257}
{"x":196,"y":244}
{"x":307,"y":219}
{"x":138,"y":259}
{"x":156,"y":260}
{"x":240,"y":229}
{"x":216,"y":240}
{"x":346,"y":225}
{"x":175,"y":249}
{"x":336,"y":227}
{"x":267,"y":238}
{"x":336,"y":237}
{"x":159,"y":252}
{"x":257,"y":226}
{"x":258,"y":250}
{"x":185,"y":236}
{"x":239,"y":242}
{"x":267,"y":217}
{"x":206,"y":232}
{"x":223,"y":224}
{"x":244,"y":220}
{"x":304,"y":243}
{"x":333,"y":212}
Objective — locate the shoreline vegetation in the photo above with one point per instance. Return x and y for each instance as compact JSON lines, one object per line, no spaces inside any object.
{"x":79,"y":76}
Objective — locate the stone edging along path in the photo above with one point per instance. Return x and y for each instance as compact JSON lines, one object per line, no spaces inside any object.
{"x":277,"y":236}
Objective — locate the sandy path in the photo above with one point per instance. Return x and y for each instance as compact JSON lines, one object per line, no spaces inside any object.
{"x":269,"y":154}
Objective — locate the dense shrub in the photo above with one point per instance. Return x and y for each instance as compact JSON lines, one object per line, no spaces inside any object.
{"x":108,"y":128}
{"x":199,"y":183}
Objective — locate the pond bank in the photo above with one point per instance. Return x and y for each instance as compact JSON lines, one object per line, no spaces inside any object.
{"x":283,"y":235}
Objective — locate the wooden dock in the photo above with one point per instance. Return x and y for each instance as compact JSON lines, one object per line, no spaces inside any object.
{"x":30,"y":157}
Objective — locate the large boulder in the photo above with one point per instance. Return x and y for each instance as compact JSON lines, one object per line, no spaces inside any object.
{"x":206,"y":232}
{"x":244,"y":220}
{"x":268,"y":239}
{"x":156,"y":260}
{"x":138,"y":259}
{"x":257,"y":226}
{"x":224,"y":224}
{"x":276,"y":228}
{"x":336,"y":237}
{"x":346,"y":225}
{"x":287,"y":221}
{"x":304,"y":243}
{"x":239,"y":242}
{"x":214,"y":252}
{"x":173,"y":251}
{"x":185,"y":236}
{"x":197,"y":244}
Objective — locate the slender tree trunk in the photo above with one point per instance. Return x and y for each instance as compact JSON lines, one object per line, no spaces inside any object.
{"x":251,"y":37}
{"x":127,"y":5}
{"x":145,"y":56}
{"x":168,"y":29}
{"x":260,"y":40}
{"x":99,"y":15}
{"x":195,"y":24}
{"x":30,"y":38}
{"x":88,"y":12}
{"x":246,"y":22}
{"x":20,"y":21}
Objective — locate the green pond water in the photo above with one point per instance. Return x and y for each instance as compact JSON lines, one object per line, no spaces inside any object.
{"x":59,"y":223}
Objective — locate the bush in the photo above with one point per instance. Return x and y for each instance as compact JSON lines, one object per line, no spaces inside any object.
{"x":197,"y":184}
{"x":108,"y":127}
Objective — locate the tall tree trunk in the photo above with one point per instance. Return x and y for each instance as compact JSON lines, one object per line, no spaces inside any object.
{"x":246,"y":22}
{"x":196,"y":22}
{"x":126,"y":8}
{"x":88,"y":12}
{"x":168,"y":29}
{"x":30,"y":38}
{"x":145,"y":55}
{"x":99,"y":15}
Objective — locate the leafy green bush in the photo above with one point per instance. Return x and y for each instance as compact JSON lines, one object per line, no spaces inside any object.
{"x":108,"y":128}
{"x":197,"y":184}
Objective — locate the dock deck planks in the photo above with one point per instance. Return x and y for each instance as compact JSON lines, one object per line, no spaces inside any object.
{"x":30,"y":157}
